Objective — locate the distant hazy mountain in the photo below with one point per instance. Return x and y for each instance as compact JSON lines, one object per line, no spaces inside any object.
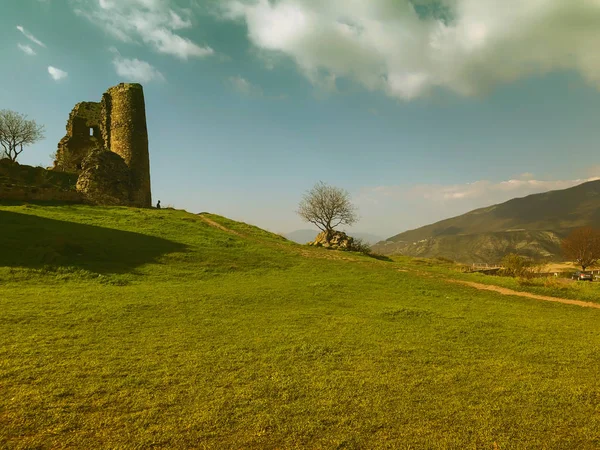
{"x":532,"y":226}
{"x":304,"y":236}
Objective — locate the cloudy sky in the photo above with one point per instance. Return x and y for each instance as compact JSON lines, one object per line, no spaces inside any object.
{"x":421,"y":109}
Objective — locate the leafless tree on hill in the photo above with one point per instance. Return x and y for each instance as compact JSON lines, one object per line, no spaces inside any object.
{"x":583,"y":246}
{"x":327,"y":207}
{"x":16,"y":132}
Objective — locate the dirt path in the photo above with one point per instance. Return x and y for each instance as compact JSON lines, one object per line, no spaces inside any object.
{"x":505,"y":291}
{"x":214,"y":224}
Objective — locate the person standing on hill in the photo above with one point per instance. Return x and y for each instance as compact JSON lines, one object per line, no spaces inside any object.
{"x":158,"y":205}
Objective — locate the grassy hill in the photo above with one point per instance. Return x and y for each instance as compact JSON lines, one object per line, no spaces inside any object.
{"x":532,"y":225}
{"x":129,"y":328}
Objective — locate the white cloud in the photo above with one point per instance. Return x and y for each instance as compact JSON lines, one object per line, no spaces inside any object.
{"x":490,"y":192}
{"x":57,"y":74}
{"x":177,"y":22}
{"x":30,"y":36}
{"x":136,"y":70}
{"x":396,"y":48}
{"x":154,"y":22}
{"x":27,"y":49}
{"x":243,"y":86}
{"x":485,"y":191}
{"x":527,"y":176}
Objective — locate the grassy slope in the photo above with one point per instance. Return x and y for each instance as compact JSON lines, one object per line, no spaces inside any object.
{"x":127,"y":328}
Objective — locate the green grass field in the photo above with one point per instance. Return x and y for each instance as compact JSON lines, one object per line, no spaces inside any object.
{"x":128,"y":328}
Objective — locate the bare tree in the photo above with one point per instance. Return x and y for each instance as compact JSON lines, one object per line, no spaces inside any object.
{"x":327,"y":207}
{"x":16,"y":131}
{"x":583,"y":246}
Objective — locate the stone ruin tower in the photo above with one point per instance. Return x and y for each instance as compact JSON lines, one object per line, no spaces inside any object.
{"x":107,"y":145}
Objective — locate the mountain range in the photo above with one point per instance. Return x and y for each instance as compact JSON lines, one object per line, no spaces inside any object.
{"x":532,"y":226}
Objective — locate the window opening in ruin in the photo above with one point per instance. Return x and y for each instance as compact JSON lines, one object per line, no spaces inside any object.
{"x":91,"y":131}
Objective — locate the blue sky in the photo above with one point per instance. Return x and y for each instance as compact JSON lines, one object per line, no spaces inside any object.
{"x":419,"y":115}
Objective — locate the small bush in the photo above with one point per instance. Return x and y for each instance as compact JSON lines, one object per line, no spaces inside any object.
{"x":553,"y":283}
{"x":526,"y":281}
{"x":358,"y":245}
{"x":445,"y":260}
{"x":519,"y":266}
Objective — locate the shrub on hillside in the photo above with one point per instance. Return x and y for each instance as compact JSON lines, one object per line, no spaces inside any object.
{"x":358,"y":245}
{"x":515,"y":265}
{"x":445,"y":260}
{"x":554,"y":283}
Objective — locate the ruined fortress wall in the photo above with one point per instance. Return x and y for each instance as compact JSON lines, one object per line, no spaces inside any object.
{"x":39,"y":194}
{"x":126,"y":135}
{"x":26,"y":183}
{"x":116,"y":124}
{"x":83,"y":117}
{"x":84,"y":133}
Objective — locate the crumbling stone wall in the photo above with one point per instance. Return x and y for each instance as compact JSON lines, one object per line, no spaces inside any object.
{"x":83,"y":135}
{"x":105,"y":179}
{"x":26,"y":183}
{"x":116,"y":124}
{"x":39,"y":194}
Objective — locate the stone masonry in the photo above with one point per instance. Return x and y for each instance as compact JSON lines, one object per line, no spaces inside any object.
{"x":117,"y":124}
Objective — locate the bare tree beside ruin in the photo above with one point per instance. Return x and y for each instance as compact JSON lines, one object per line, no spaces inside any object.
{"x":583,"y":246}
{"x":16,"y":132}
{"x":327,"y":207}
